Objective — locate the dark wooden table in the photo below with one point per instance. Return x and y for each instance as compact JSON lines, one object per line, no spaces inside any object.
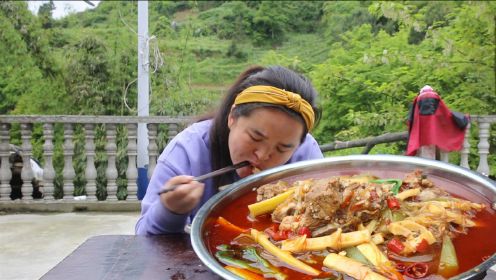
{"x":140,"y":257}
{"x":132,"y":257}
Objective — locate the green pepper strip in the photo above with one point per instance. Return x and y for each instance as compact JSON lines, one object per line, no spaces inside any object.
{"x":227,"y":258}
{"x":396,"y":187}
{"x":251,"y":254}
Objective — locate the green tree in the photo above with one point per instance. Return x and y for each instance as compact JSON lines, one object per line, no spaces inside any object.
{"x":23,"y":85}
{"x":269,"y":22}
{"x":45,"y":14}
{"x":87,"y":77}
{"x":342,"y":16}
{"x":370,"y":79}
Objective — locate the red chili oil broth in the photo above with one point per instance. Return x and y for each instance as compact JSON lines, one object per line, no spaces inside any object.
{"x":471,"y":249}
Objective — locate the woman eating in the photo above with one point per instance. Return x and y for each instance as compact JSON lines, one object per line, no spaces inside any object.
{"x":265,"y":119}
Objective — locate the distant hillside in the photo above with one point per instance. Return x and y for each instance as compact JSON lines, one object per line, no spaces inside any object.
{"x":203,"y":46}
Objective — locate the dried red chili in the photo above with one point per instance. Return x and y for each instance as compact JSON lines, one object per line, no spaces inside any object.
{"x":305,"y":231}
{"x":395,"y":245}
{"x":401,"y":267}
{"x":276,"y":234}
{"x":393,"y":203}
{"x":347,"y":200}
{"x":417,"y":270}
{"x":423,"y":246}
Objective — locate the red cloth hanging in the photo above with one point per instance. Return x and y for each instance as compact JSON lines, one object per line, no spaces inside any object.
{"x":431,"y":123}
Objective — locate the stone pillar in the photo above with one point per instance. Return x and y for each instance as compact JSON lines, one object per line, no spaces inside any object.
{"x":90,"y":171}
{"x":428,"y":152}
{"x":483,"y":147}
{"x":444,"y":156}
{"x":172,"y":131}
{"x":152,"y":148}
{"x":48,"y":170}
{"x":27,"y":172}
{"x":465,"y":149}
{"x":111,"y":172}
{"x":132,"y":170}
{"x":5,"y":173}
{"x":68,"y":173}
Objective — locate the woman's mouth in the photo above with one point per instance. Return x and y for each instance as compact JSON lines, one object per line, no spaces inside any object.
{"x":255,"y":169}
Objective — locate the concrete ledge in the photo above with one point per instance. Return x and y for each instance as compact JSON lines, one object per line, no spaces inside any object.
{"x":17,"y":206}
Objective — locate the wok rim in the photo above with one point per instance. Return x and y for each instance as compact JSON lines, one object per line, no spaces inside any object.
{"x":209,"y":260}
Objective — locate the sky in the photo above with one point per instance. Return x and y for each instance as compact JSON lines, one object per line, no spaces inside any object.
{"x":63,"y":8}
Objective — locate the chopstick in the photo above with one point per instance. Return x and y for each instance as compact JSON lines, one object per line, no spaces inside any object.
{"x":210,"y":175}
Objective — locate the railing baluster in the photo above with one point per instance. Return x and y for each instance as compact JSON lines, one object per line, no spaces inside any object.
{"x":131,"y":172}
{"x":27,"y":172}
{"x":111,"y":172}
{"x":90,"y":171}
{"x":48,"y":170}
{"x":443,"y":156}
{"x":5,"y":173}
{"x":152,"y":148}
{"x":172,"y":132}
{"x":466,"y":149}
{"x":27,"y":122}
{"x":483,"y":147}
{"x":68,"y":173}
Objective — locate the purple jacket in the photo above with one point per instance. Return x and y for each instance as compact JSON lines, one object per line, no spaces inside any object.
{"x":189,"y":153}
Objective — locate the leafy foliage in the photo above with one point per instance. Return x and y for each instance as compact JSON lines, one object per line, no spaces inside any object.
{"x":371,"y":77}
{"x":367,"y":59}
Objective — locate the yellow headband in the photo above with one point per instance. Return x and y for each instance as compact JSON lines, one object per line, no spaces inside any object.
{"x":273,"y":95}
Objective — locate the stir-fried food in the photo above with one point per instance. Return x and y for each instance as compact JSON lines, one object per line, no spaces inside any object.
{"x":351,"y":227}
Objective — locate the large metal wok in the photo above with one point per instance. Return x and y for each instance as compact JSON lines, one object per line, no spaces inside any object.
{"x":385,"y":166}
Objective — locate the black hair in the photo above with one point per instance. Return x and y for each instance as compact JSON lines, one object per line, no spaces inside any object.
{"x":276,"y":76}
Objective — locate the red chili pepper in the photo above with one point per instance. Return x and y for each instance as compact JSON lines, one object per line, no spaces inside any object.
{"x":423,"y":246}
{"x":275,"y":227}
{"x":284,"y":234}
{"x":395,"y":245}
{"x":347,"y":200}
{"x":417,"y":270}
{"x":276,"y":234}
{"x":393,"y":203}
{"x":401,"y":267}
{"x":305,"y":231}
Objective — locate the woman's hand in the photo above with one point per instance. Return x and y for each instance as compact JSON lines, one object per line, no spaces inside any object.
{"x":185,"y":197}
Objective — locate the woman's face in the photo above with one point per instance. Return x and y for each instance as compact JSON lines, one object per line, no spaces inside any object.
{"x":266,"y":138}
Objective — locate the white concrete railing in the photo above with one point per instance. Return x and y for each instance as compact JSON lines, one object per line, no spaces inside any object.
{"x":173,"y":126}
{"x":484,"y":125}
{"x":483,"y":146}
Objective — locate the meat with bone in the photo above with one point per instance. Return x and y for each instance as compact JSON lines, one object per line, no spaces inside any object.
{"x":270,"y":190}
{"x":325,"y":204}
